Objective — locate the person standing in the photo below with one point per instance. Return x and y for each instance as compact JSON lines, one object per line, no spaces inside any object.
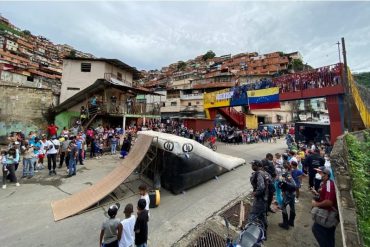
{"x":72,"y":153}
{"x":80,"y":145}
{"x":52,"y":147}
{"x":268,"y":166}
{"x":325,"y":236}
{"x":313,"y":162}
{"x":113,"y":144}
{"x":63,"y":151}
{"x":111,"y":229}
{"x":288,"y":188}
{"x":128,"y":224}
{"x":10,"y":159}
{"x":52,"y":130}
{"x":28,"y":155}
{"x":141,"y":224}
{"x":258,"y":210}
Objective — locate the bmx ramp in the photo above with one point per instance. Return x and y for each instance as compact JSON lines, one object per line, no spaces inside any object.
{"x":86,"y":198}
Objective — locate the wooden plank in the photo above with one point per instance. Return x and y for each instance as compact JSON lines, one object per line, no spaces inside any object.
{"x":86,"y":198}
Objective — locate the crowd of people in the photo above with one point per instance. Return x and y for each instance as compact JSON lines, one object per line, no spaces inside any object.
{"x":59,"y":148}
{"x":277,"y":179}
{"x":316,"y":78}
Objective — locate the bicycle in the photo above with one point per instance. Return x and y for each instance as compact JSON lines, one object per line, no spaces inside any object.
{"x":212,"y":146}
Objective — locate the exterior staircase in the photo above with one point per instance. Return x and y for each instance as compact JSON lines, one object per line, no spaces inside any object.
{"x":233,"y":116}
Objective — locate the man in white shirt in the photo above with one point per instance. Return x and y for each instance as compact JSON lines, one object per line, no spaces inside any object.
{"x":52,"y":147}
{"x":128,"y":234}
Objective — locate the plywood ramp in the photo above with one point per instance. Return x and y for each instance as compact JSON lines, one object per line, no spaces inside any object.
{"x":86,"y":198}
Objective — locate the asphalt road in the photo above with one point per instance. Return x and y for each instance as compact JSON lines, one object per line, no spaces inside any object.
{"x":27,"y":218}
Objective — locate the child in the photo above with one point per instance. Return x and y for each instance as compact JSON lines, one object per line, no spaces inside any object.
{"x":113,"y":144}
{"x":128,"y":224}
{"x":111,"y":229}
{"x":141,"y":224}
{"x":3,"y":160}
{"x":143,"y":191}
{"x":297,"y":176}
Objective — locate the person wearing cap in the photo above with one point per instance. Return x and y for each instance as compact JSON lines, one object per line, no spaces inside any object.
{"x":111,"y":229}
{"x":128,"y":224}
{"x":63,"y":151}
{"x":327,"y":200}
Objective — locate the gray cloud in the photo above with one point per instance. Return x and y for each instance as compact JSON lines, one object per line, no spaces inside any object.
{"x":150,"y":35}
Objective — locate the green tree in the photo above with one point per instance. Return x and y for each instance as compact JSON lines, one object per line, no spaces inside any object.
{"x":72,"y":54}
{"x":26,"y":32}
{"x":181,"y":65}
{"x":210,"y":54}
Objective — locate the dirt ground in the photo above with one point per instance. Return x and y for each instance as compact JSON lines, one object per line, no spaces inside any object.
{"x":301,"y":234}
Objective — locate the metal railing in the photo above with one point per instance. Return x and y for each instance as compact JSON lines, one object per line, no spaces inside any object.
{"x":121,"y":107}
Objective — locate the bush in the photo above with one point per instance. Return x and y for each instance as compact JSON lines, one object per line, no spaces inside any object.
{"x":359,"y":165}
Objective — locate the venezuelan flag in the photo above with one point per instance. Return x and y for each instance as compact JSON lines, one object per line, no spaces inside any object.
{"x":264,"y":98}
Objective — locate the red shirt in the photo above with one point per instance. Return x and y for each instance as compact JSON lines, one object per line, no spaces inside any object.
{"x":52,"y":130}
{"x":328,"y":192}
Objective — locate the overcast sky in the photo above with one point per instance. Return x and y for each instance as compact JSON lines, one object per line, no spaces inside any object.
{"x":149,"y":35}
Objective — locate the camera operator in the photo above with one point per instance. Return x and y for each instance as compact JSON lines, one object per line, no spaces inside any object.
{"x":288,"y":187}
{"x":258,"y":210}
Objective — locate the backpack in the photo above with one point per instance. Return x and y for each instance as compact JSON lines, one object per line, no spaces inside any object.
{"x":55,"y":146}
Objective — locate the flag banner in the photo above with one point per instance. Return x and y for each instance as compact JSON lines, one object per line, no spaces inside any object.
{"x":267,"y":95}
{"x":239,"y":96}
{"x":260,"y":106}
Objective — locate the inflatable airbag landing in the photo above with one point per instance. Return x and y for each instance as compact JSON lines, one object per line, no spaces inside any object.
{"x":176,"y":145}
{"x":182,"y":166}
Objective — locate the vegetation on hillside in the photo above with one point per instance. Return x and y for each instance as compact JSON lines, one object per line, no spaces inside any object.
{"x":363,"y":78}
{"x":208,"y":55}
{"x":359,"y":165}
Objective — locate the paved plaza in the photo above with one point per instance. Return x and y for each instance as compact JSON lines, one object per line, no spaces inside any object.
{"x":27,"y":217}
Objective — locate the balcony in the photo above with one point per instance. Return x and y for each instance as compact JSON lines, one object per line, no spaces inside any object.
{"x":114,"y":79}
{"x":192,"y":96}
{"x":120,"y":108}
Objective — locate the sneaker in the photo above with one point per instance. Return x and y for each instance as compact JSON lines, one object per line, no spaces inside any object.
{"x":50,"y":173}
{"x":296,"y":200}
{"x":282,"y":225}
{"x":17,"y":184}
{"x":54,"y":172}
{"x":4,"y":186}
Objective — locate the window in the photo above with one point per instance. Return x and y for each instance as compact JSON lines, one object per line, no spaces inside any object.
{"x":197,"y":102}
{"x":85,"y":67}
{"x":174,"y":103}
{"x":119,"y":76}
{"x":189,"y":103}
{"x":73,"y":88}
{"x":29,"y":78}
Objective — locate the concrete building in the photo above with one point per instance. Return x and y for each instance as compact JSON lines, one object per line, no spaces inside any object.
{"x":79,"y":73}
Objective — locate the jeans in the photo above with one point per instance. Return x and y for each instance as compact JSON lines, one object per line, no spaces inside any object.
{"x":62,"y":156}
{"x":28,"y":167}
{"x":113,"y":148}
{"x":80,"y":156}
{"x":52,"y":157}
{"x":72,"y":166}
{"x":324,"y":236}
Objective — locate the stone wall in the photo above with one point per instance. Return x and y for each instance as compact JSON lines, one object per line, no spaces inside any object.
{"x":23,"y":108}
{"x":346,"y":203}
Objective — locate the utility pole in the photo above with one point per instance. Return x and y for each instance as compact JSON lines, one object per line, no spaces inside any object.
{"x":348,"y":87}
{"x":339,"y":51}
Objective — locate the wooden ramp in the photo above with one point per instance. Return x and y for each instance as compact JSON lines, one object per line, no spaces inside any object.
{"x":88,"y":197}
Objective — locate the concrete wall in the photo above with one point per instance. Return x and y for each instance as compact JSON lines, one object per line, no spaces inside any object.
{"x":65,"y":119}
{"x":22,"y":108}
{"x":73,"y":77}
{"x":346,"y":203}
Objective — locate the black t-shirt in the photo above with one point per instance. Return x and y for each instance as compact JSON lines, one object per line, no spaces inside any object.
{"x":141,"y":225}
{"x":314,"y":161}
